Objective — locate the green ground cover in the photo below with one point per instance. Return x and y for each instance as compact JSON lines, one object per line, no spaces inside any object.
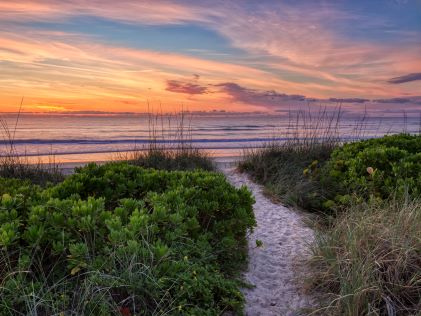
{"x":122,"y":239}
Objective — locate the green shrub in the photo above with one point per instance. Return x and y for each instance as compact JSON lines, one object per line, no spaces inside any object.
{"x":375,"y":168}
{"x":124,"y":238}
{"x":325,"y":177}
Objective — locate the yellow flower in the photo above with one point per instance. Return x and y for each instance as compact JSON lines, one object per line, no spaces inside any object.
{"x":6,"y":197}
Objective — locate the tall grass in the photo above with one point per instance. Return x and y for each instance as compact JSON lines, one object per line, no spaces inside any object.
{"x":369,"y":262}
{"x":130,"y":283}
{"x":170,"y":145}
{"x":20,"y":166}
{"x":311,"y":138}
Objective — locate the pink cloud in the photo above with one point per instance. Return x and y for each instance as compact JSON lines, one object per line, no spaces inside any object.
{"x":405,"y":78}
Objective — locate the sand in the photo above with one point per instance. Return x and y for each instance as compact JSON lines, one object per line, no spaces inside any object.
{"x":272,"y":268}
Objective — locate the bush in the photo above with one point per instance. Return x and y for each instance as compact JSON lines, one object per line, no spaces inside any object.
{"x":326,"y":177}
{"x":375,"y":168}
{"x":367,"y":260}
{"x":121,"y":239}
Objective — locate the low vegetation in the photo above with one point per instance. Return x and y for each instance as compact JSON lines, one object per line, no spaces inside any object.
{"x":120,"y":239}
{"x":367,"y":254}
{"x":280,"y":166}
{"x":172,"y":159}
{"x":369,"y":261}
{"x":18,"y":166}
{"x":373,"y":169}
{"x":170,"y":146}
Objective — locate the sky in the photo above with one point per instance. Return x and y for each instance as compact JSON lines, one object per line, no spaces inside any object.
{"x":238,"y":55}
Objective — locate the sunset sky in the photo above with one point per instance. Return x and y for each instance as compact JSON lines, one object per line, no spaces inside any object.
{"x":114,"y":56}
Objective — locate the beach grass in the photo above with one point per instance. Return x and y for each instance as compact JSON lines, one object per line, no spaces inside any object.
{"x":21,"y":166}
{"x":172,"y":159}
{"x":369,"y":261}
{"x":311,"y":137}
{"x":170,"y":145}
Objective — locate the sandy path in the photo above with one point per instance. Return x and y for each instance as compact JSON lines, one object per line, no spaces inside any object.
{"x":271,"y":267}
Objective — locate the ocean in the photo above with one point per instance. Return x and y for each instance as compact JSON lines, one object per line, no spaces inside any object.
{"x":82,"y":138}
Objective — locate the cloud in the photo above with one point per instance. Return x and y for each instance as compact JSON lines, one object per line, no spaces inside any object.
{"x":348,"y":100}
{"x":162,"y":12}
{"x":91,"y":74}
{"x":406,"y":78}
{"x":185,"y":87}
{"x":267,"y":98}
{"x":273,"y":99}
{"x":267,"y":29}
{"x":401,"y":100}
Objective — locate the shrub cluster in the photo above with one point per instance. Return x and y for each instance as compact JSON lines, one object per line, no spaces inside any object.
{"x":121,"y":239}
{"x":373,"y":169}
{"x":324,"y":177}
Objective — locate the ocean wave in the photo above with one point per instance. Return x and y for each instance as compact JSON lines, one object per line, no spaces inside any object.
{"x":136,"y":141}
{"x":93,"y":146}
{"x":84,"y":141}
{"x":122,"y":150}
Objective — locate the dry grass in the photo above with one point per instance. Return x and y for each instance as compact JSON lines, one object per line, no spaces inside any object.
{"x":369,"y":262}
{"x":279,"y":165}
{"x":16,"y":165}
{"x":170,"y":145}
